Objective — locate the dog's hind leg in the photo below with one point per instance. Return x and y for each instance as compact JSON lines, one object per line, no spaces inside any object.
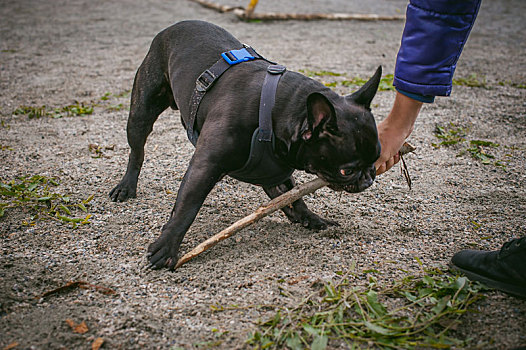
{"x":151,"y":95}
{"x":298,"y":211}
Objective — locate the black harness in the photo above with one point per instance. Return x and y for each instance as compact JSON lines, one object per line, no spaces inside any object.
{"x":262,"y":166}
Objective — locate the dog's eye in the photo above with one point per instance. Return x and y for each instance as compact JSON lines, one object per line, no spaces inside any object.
{"x":346,"y":171}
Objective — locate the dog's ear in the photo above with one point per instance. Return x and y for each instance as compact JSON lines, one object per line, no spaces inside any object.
{"x":320,"y":115}
{"x":365,"y":95}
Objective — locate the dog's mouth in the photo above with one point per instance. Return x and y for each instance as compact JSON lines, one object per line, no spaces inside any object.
{"x":350,"y":188}
{"x":351,"y":181}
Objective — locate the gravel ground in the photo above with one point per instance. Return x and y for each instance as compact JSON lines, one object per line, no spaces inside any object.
{"x":56,"y":52}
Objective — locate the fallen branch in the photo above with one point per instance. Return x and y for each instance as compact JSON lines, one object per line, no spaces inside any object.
{"x":277,"y":203}
{"x":217,"y":7}
{"x":272,"y":16}
{"x":248,"y":14}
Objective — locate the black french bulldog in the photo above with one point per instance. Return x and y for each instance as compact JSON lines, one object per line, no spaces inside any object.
{"x":315,"y":129}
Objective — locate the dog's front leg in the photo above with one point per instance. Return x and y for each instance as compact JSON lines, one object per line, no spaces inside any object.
{"x":298,"y":211}
{"x":201,"y":176}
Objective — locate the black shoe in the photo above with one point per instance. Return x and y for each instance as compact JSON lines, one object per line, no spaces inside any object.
{"x":504,"y":270}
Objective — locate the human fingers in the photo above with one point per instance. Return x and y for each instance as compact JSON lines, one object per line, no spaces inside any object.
{"x":385,"y":166}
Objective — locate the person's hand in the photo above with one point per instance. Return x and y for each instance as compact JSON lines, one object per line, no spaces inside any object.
{"x":393,"y":131}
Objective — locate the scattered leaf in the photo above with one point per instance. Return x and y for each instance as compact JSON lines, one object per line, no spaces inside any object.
{"x":377,"y":307}
{"x":454,"y":135}
{"x":80,"y":328}
{"x":297,"y":279}
{"x":483,"y":143}
{"x":87,"y":200}
{"x":422,"y":310}
{"x":319,"y":342}
{"x":35,"y":194}
{"x":473,"y":80}
{"x":97,"y":343}
{"x":377,"y":329}
{"x":11,"y":346}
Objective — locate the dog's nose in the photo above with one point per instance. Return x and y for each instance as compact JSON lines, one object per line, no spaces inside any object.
{"x":367,"y":177}
{"x":372,"y":172}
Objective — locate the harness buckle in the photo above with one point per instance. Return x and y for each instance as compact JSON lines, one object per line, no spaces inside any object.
{"x":276,"y":69}
{"x":236,"y":56}
{"x":204,"y":81}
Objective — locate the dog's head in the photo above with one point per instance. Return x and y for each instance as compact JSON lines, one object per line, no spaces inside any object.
{"x":340,"y":139}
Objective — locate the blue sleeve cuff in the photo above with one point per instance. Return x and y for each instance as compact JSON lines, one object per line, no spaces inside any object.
{"x":418,"y":97}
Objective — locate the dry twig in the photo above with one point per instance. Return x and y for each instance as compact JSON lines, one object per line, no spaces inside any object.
{"x":248,"y":14}
{"x":273,"y":16}
{"x":217,"y":7}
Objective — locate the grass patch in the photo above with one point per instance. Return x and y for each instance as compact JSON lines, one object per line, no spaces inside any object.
{"x":515,"y":85}
{"x":353,"y":82}
{"x":414,"y":312}
{"x":98,"y":151}
{"x":115,"y":108}
{"x":72,"y":110}
{"x":386,"y":82}
{"x":478,"y":149}
{"x":479,"y":81}
{"x":35,"y":196}
{"x":449,"y":135}
{"x":108,"y":95}
{"x":320,"y":73}
{"x":473,"y":80}
{"x":31,"y":111}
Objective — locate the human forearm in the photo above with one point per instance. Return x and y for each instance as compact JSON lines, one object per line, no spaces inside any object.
{"x":393,"y":131}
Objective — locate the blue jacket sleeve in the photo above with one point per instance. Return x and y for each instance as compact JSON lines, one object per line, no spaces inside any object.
{"x":435,"y":33}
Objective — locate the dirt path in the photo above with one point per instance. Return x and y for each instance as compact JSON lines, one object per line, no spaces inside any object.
{"x":56,"y":52}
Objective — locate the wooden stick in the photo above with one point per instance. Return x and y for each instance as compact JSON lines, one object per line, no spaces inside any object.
{"x":217,"y":7}
{"x":272,"y":16}
{"x":277,"y":203}
{"x":248,"y":14}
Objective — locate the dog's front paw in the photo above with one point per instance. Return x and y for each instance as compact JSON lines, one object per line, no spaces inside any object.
{"x":123,"y":191}
{"x":163,"y":253}
{"x":314,"y":222}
